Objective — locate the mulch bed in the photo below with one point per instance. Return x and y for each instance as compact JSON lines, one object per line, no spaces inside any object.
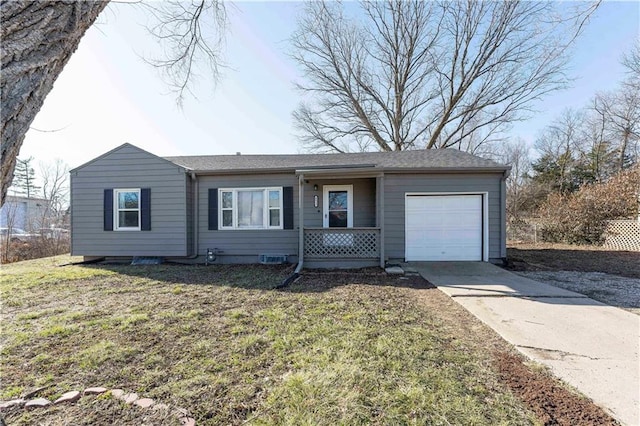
{"x":563,"y":257}
{"x":553,"y":403}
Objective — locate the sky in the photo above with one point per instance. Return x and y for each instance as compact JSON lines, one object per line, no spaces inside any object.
{"x":107,"y":95}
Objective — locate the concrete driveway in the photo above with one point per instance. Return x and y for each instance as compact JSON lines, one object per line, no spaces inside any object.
{"x":588,"y":344}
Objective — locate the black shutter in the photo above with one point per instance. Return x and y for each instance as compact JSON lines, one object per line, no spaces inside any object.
{"x":287,"y":207}
{"x":213,"y":209}
{"x":108,"y":209}
{"x":145,"y":209}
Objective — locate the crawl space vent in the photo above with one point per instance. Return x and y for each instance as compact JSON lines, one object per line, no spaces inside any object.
{"x":146,"y":260}
{"x":272,"y":259}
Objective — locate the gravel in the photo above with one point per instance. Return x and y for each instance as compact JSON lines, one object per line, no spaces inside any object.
{"x":613,"y":290}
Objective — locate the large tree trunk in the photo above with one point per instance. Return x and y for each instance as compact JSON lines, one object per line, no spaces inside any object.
{"x":37,"y":40}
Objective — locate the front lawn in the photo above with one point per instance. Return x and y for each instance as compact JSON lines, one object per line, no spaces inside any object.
{"x":330,"y":349}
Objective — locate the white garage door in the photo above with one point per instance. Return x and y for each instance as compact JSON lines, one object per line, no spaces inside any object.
{"x":443,"y":227}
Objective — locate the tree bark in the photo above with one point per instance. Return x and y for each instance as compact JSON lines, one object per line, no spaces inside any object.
{"x":37,"y":40}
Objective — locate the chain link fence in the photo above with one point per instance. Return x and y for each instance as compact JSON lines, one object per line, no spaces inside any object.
{"x":621,"y":235}
{"x":524,"y":231}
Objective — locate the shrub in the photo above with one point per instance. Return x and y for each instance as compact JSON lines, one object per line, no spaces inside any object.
{"x":581,"y":217}
{"x":16,"y":251}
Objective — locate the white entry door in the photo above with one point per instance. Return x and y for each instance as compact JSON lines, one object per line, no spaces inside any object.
{"x":444,"y":227}
{"x":337,"y":206}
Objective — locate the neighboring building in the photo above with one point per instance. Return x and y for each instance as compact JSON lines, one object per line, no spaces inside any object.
{"x":23,"y":213}
{"x":355,"y":209}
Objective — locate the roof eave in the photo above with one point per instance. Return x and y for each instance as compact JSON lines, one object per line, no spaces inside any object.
{"x":352,"y":171}
{"x":209,"y":172}
{"x":497,"y":169}
{"x":356,"y":171}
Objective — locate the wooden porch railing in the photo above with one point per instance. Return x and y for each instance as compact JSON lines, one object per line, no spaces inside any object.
{"x":354,"y":243}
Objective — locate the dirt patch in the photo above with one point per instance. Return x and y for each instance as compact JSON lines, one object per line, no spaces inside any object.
{"x":553,"y":403}
{"x":563,"y":257}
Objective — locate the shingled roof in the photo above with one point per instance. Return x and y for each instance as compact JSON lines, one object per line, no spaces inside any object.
{"x":437,"y":159}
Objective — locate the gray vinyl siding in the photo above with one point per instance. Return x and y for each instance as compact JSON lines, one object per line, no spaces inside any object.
{"x":244,"y":245}
{"x":396,"y":186}
{"x":364,"y":201}
{"x":129,"y":167}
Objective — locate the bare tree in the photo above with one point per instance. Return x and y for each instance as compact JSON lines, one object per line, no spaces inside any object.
{"x":631,"y":61}
{"x":596,"y":148}
{"x":558,"y":144}
{"x":55,"y":189}
{"x":369,"y":81}
{"x":188,"y":44}
{"x":427,"y":75}
{"x":621,"y":109}
{"x":39,"y":37}
{"x":9,"y":213}
{"x":515,"y":153}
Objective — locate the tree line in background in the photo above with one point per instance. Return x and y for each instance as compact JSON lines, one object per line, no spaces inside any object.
{"x":586,"y":167}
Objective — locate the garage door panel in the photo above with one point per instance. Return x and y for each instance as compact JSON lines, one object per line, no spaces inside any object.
{"x":443,"y":227}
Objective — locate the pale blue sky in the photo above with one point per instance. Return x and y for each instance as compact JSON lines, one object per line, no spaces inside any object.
{"x":107,"y":95}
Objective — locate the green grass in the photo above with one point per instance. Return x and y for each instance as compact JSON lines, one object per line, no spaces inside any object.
{"x":331,"y":349}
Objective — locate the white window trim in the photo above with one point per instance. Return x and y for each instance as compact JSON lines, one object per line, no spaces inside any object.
{"x":234,"y":209}
{"x":116,"y":210}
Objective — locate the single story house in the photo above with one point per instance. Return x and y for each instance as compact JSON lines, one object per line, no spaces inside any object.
{"x":324,"y":210}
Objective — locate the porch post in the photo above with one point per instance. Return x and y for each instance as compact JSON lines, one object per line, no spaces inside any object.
{"x":380,"y":192}
{"x":300,"y":219}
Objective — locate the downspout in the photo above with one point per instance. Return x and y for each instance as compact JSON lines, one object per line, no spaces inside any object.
{"x":196,"y":216}
{"x":503,"y":213}
{"x":300,"y":224}
{"x":296,"y":273}
{"x":381,"y":184}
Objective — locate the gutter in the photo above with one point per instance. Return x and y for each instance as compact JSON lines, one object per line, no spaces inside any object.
{"x":353,"y":169}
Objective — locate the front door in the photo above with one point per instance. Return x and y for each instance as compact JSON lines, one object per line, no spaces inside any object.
{"x":337,"y":206}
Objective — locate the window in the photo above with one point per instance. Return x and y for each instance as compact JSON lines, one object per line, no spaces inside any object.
{"x":250,"y":208}
{"x":126,"y":209}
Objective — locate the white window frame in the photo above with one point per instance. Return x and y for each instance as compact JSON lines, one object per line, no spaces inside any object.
{"x":266,"y":209}
{"x":117,"y":210}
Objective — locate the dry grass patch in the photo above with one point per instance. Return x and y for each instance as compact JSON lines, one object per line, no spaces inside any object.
{"x":330,"y":349}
